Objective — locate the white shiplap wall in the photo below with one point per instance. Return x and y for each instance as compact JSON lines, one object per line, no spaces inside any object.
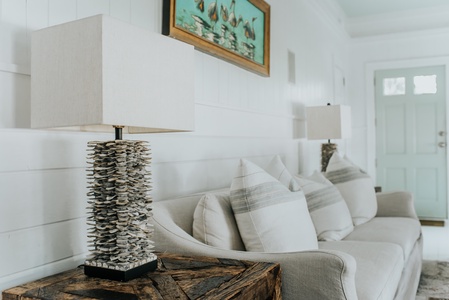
{"x":238,"y":114}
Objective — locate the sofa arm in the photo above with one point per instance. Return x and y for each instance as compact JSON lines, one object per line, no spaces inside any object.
{"x":396,"y":204}
{"x":320,"y":274}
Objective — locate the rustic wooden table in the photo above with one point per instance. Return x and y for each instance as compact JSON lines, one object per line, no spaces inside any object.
{"x":177,"y":277}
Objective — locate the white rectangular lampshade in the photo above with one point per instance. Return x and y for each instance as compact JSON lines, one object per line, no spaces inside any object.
{"x":328,"y":122}
{"x":97,"y":72}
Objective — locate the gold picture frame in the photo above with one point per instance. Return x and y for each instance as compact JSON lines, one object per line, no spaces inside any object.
{"x":237,"y":31}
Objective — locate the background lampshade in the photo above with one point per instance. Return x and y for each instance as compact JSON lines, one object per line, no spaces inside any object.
{"x":328,"y":122}
{"x":97,"y":72}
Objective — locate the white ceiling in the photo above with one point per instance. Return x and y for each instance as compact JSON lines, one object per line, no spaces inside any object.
{"x":377,"y":17}
{"x":362,"y":8}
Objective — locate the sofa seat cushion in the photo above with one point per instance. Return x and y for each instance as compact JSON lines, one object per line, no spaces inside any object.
{"x":379,"y":267}
{"x":403,"y":232}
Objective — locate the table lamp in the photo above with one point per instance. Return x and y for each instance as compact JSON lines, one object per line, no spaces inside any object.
{"x":102,"y":74}
{"x":325,"y":123}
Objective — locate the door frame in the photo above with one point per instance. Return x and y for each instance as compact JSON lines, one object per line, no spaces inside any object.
{"x":370,"y":70}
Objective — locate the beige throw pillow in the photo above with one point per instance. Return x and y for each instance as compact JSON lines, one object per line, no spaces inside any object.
{"x":214,"y":223}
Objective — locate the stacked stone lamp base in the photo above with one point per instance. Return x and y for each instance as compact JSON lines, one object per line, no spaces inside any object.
{"x":119,"y":210}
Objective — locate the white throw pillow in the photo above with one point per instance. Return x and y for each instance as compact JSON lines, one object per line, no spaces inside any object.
{"x":355,"y":186}
{"x":214,"y":223}
{"x":270,"y":218}
{"x":329,"y":212}
{"x":277,"y":169}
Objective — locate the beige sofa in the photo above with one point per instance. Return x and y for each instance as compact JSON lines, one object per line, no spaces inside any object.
{"x":380,"y":259}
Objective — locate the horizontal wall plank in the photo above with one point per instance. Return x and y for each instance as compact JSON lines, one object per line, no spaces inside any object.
{"x":191,"y":148}
{"x":26,"y":150}
{"x":30,"y":248}
{"x":31,"y":199}
{"x":214,"y":120}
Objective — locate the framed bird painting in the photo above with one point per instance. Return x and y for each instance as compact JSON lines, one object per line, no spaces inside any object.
{"x":235,"y":30}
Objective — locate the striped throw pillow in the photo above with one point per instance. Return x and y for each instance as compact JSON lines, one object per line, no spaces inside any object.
{"x":355,"y":186}
{"x":328,"y":210}
{"x":270,"y":218}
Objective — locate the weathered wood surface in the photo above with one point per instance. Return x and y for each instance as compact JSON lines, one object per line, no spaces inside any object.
{"x":177,"y":277}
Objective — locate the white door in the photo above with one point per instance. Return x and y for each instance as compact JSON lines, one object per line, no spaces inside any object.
{"x":411,"y":136}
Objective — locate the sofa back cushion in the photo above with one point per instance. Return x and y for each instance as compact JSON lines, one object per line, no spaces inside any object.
{"x":270,"y":218}
{"x":214,"y":223}
{"x":355,"y":186}
{"x":329,"y":212}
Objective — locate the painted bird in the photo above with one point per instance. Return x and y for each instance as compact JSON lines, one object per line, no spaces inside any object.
{"x":249,"y":30}
{"x":200,"y":5}
{"x":232,"y":19}
{"x":224,"y":13}
{"x":212,"y":12}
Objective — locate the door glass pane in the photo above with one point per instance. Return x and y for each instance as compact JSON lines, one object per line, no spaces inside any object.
{"x":425,"y":84}
{"x":394,"y":86}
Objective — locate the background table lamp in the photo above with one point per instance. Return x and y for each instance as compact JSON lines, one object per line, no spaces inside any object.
{"x":326,"y":123}
{"x":102,"y":74}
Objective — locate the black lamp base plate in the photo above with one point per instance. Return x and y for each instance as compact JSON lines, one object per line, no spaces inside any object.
{"x":120,"y":275}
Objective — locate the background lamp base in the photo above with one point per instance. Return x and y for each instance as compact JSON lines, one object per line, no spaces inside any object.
{"x":326,"y":153}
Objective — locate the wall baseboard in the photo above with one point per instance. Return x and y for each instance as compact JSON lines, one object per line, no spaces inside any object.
{"x":435,"y":223}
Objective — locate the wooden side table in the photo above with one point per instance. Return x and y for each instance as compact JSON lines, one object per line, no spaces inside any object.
{"x":177,"y":277}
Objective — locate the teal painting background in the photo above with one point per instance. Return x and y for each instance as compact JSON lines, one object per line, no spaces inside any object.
{"x":186,"y":8}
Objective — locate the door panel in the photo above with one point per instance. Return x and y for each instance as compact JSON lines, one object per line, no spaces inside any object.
{"x":425,"y":122}
{"x":394,"y":132}
{"x":410,"y":136}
